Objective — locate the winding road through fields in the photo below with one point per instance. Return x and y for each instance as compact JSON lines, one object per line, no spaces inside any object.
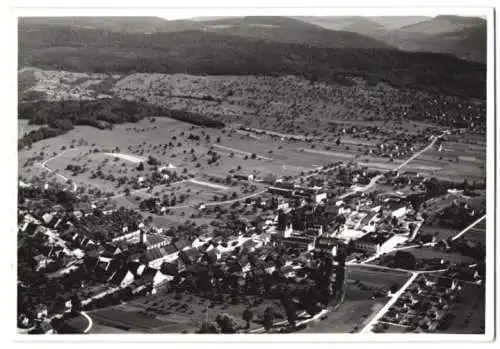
{"x":44,"y":166}
{"x":374,"y":180}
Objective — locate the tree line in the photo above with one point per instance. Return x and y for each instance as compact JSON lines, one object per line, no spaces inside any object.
{"x":202,"y":53}
{"x":61,"y":116}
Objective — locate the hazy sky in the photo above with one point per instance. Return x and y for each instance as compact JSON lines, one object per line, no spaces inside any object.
{"x":430,"y":12}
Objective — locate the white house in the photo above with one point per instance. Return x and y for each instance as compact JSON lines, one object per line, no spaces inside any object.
{"x":160,"y":279}
{"x":127,"y":280}
{"x":320,"y":197}
{"x":400,"y":212}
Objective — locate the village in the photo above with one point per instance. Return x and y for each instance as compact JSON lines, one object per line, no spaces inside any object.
{"x":331,"y":218}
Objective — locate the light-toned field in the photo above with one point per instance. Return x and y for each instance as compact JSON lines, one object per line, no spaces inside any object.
{"x":376,"y":276}
{"x":429,"y":252}
{"x":350,"y":316}
{"x":127,"y":157}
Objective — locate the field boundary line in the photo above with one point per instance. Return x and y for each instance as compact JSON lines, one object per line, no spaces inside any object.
{"x":242,"y":152}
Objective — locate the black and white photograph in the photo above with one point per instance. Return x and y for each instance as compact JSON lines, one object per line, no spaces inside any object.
{"x":254,"y":173}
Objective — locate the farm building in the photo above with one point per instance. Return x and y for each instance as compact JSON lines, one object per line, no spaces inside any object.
{"x":244,"y":175}
{"x":302,"y":243}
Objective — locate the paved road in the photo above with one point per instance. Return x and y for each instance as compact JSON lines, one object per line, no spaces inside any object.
{"x":468,"y":228}
{"x":390,"y":303}
{"x":224,"y":202}
{"x":374,"y":180}
{"x":45,"y":167}
{"x":417,"y":154}
{"x":241,"y":152}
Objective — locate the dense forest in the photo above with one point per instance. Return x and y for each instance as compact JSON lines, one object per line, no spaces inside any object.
{"x":61,"y":116}
{"x":208,"y":53}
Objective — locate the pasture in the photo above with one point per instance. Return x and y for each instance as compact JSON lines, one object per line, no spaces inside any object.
{"x":429,"y":253}
{"x":350,"y":316}
{"x":376,"y":276}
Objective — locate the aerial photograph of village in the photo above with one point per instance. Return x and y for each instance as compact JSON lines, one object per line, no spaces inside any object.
{"x":251,"y":175}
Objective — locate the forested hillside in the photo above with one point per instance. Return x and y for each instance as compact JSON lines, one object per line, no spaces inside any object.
{"x":206,"y":53}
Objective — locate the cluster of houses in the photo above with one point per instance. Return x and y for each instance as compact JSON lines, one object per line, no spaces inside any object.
{"x":427,"y":304}
{"x":290,"y":189}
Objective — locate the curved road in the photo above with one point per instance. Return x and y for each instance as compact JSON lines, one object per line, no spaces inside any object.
{"x":45,"y":167}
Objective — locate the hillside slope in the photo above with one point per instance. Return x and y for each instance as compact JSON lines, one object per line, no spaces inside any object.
{"x":356,"y":24}
{"x":463,"y":37}
{"x":468,"y":43}
{"x":279,"y":29}
{"x":443,"y":24}
{"x":196,"y":52}
{"x":115,"y":24}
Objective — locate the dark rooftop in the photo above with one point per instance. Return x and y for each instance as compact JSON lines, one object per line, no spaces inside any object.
{"x":375,"y":238}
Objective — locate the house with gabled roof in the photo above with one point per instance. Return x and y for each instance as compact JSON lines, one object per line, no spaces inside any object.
{"x":173,"y":268}
{"x":123,"y":277}
{"x":29,"y":228}
{"x":155,"y":241}
{"x":157,"y":256}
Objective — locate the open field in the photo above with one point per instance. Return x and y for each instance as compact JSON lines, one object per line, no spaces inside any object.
{"x":99,"y":328}
{"x":126,"y":320}
{"x":429,"y":252}
{"x":349,"y":316}
{"x":442,"y":233}
{"x":376,"y":276}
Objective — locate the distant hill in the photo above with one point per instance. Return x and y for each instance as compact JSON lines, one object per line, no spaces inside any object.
{"x":355,"y":24}
{"x":280,"y":29}
{"x":396,"y":22}
{"x":467,"y":43}
{"x":213,"y":53}
{"x":114,"y":24}
{"x":362,"y":25}
{"x":288,"y":30}
{"x":443,"y":24}
{"x":463,"y":37}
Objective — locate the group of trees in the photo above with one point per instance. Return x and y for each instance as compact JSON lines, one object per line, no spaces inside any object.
{"x":61,"y":116}
{"x":206,"y":53}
